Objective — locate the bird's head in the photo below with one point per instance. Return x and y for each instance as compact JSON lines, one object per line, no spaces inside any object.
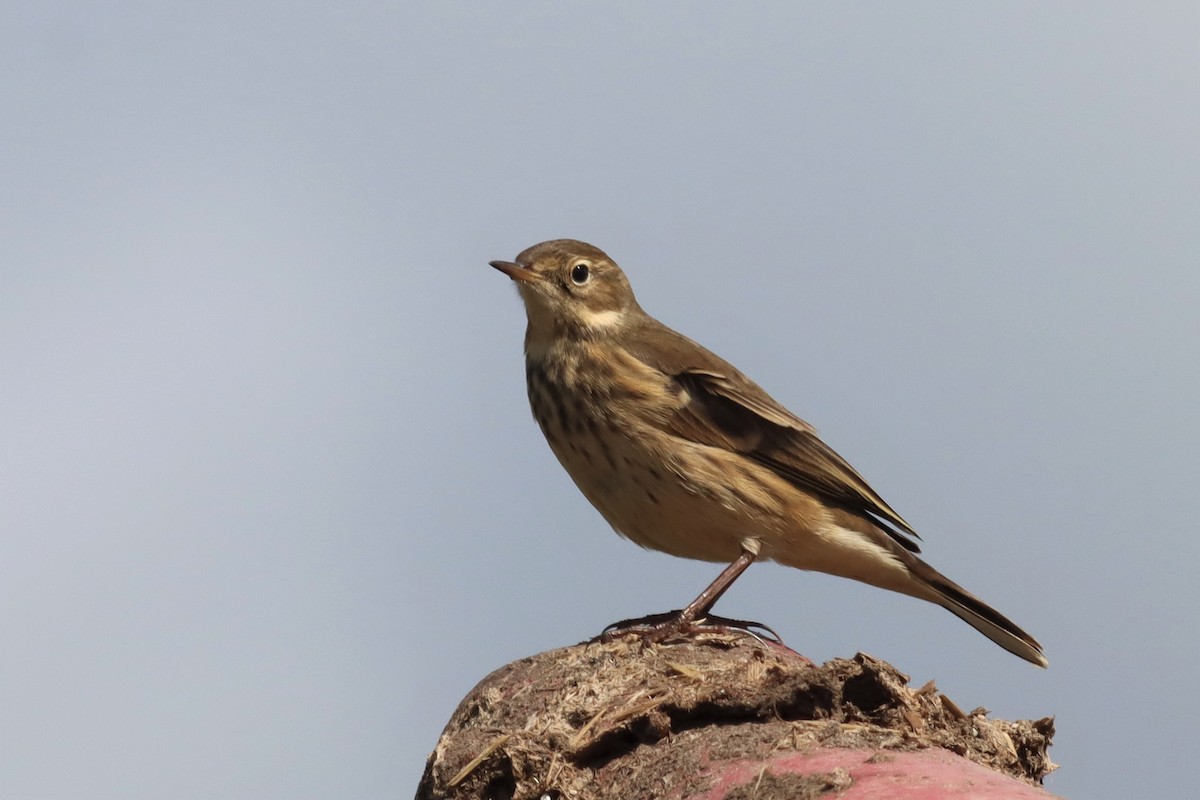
{"x":570,"y":287}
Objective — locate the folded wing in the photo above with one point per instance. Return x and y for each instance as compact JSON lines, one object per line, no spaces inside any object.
{"x":721,"y":407}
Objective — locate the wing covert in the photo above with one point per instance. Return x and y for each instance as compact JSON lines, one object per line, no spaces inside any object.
{"x":721,"y":407}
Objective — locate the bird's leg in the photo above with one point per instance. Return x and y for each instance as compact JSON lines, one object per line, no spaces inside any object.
{"x":699,"y":608}
{"x":695,"y":616}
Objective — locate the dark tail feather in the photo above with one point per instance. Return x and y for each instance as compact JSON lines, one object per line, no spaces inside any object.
{"x":983,"y":618}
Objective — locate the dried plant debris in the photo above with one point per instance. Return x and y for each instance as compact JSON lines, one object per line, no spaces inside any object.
{"x":677,"y":720}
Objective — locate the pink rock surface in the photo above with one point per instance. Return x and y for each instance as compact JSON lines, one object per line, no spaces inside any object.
{"x":881,"y":775}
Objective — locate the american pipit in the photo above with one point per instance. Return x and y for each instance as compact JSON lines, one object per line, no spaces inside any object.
{"x":681,"y":452}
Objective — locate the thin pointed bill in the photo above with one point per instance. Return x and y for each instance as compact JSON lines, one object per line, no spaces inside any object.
{"x":516,"y":271}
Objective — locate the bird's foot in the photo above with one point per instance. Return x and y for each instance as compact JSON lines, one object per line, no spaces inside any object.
{"x":675,"y":625}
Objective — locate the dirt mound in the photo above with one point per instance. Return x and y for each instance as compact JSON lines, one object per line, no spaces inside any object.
{"x":721,"y":717}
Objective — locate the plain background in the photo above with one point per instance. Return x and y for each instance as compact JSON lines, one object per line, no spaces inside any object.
{"x":272,"y":499}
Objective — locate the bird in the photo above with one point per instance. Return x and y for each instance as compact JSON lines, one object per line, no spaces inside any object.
{"x":682,"y":453}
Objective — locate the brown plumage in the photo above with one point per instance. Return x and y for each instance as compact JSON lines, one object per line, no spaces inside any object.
{"x":682,"y":453}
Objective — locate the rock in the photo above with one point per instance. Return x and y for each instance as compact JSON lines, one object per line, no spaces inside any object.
{"x":723,"y":716}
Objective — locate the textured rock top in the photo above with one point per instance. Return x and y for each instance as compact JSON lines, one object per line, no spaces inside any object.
{"x":723,"y":717}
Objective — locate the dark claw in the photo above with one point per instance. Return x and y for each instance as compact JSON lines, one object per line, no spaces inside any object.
{"x":659,"y":628}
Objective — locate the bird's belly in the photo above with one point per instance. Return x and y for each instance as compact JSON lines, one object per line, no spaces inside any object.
{"x":669,"y":494}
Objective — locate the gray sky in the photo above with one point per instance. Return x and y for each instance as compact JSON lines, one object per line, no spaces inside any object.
{"x":272,"y":498}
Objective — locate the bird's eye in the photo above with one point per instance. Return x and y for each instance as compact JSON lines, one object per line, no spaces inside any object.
{"x":580,"y":274}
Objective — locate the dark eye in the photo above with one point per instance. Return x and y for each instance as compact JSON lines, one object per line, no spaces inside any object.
{"x":579,"y":274}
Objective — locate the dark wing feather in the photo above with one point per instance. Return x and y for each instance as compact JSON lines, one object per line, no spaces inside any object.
{"x":723,"y":408}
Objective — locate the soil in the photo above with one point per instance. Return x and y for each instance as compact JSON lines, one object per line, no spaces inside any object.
{"x":721,"y":716}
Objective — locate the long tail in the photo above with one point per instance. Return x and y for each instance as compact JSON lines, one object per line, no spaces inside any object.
{"x":978,"y":614}
{"x":860,"y":549}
